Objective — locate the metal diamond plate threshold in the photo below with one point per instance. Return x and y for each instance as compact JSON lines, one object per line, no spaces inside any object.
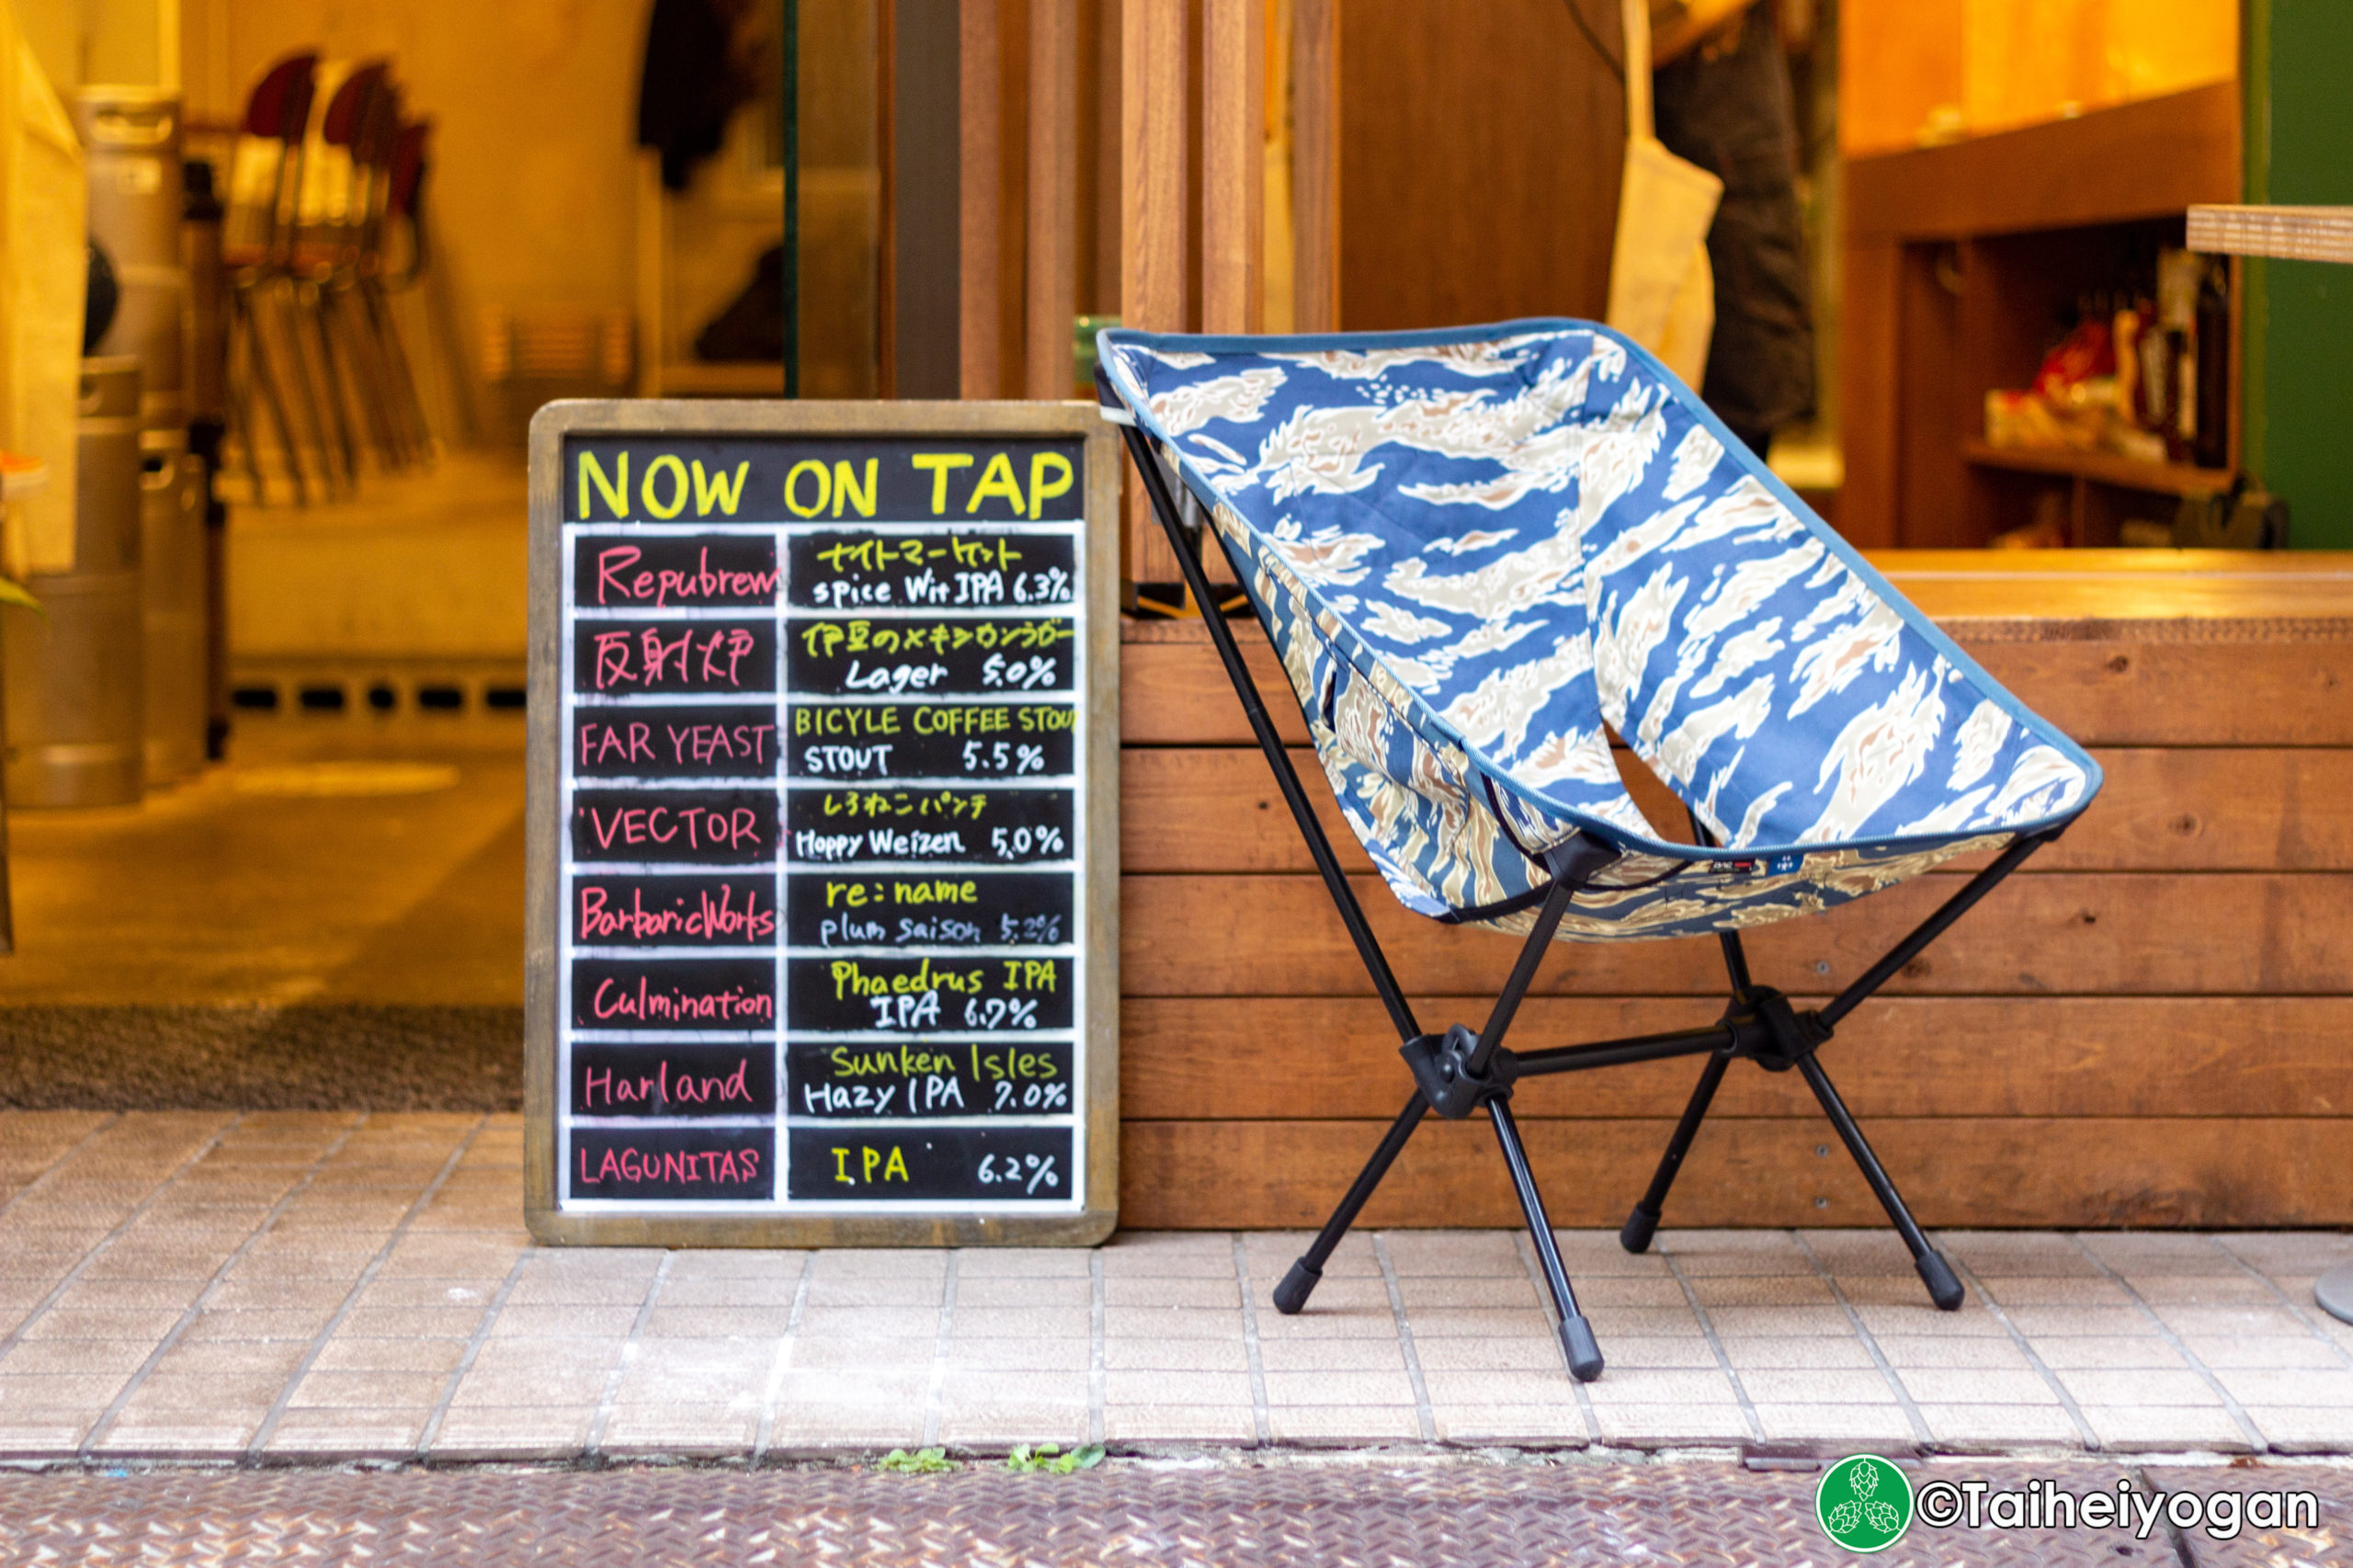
{"x":1376,"y":1511}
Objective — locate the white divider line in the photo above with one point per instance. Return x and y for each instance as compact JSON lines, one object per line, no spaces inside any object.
{"x":474,"y":1342}
{"x":1263,"y":1428}
{"x":8,"y":1341}
{"x":195,"y":1309}
{"x":2189,"y":1358}
{"x":939,"y":1350}
{"x":1097,"y":1355}
{"x":2026,"y":1349}
{"x":783,"y":1359}
{"x":57,"y":1165}
{"x":2295,"y":1308}
{"x":1422,"y":1415}
{"x":1715,"y":1344}
{"x":1920,"y":1433}
{"x":594,"y":1447}
{"x":268,"y":1428}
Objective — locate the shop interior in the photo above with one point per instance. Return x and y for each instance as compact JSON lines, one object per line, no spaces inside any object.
{"x":285,"y":282}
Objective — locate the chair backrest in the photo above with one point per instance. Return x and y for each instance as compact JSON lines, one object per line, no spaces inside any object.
{"x":412,"y":151}
{"x":266,"y":166}
{"x":347,"y":110}
{"x":1503,"y":544}
{"x":278,"y":108}
{"x":373,"y":151}
{"x":412,"y":160}
{"x":336,"y":174}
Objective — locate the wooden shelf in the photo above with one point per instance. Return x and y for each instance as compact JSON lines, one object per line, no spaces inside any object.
{"x":2153,"y":158}
{"x":2290,"y":234}
{"x":1959,"y":258}
{"x":2102,"y":468}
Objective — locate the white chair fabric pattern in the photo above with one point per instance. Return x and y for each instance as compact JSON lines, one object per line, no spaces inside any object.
{"x":1480,"y":552}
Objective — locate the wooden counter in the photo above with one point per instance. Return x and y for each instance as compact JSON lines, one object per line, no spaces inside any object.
{"x":2153,"y":1025}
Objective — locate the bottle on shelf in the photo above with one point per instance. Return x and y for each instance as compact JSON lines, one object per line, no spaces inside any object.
{"x":2211,"y":444}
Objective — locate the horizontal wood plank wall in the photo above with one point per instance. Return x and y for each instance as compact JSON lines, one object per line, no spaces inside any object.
{"x":2145,"y":1028}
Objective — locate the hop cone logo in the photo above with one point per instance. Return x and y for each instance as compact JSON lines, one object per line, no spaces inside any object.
{"x":1863,"y":1503}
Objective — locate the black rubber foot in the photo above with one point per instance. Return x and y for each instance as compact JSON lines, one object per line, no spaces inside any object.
{"x":1584,"y":1350}
{"x":1640,"y":1226}
{"x":1297,"y":1286}
{"x":1944,"y":1286}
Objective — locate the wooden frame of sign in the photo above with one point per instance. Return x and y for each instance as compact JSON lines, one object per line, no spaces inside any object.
{"x":824,"y":825}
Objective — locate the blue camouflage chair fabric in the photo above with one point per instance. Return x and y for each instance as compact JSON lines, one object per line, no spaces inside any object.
{"x":1484,"y":554}
{"x":1481,"y":552}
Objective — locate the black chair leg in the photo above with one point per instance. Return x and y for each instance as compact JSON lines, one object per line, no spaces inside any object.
{"x":1576,"y":1335}
{"x":1308,"y":1272}
{"x":1944,"y":1286}
{"x":1643,"y":1224}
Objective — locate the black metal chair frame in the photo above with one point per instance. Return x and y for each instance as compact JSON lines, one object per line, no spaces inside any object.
{"x":1459,"y":1072}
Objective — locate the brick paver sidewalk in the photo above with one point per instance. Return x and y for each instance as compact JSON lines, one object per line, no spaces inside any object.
{"x":316,"y":1285}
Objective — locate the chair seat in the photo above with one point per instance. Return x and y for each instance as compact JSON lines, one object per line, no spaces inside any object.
{"x":1483,"y":553}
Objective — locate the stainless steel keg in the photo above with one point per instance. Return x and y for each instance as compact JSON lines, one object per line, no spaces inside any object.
{"x":130,"y":138}
{"x":76,"y":671}
{"x":172,"y":571}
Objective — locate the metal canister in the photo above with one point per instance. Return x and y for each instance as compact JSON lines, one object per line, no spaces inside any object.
{"x":173,"y":599}
{"x":132,"y":141}
{"x":77,"y":671}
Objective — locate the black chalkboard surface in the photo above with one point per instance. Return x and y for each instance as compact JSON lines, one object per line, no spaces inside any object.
{"x":823,"y":823}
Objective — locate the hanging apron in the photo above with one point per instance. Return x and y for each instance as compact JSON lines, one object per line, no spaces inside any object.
{"x":1662,"y":292}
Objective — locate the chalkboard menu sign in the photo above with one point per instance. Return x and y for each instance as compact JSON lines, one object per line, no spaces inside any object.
{"x":823,"y":823}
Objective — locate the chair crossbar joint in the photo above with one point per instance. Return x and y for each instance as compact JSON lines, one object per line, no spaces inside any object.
{"x":1766,"y":1031}
{"x":1444,"y":1069}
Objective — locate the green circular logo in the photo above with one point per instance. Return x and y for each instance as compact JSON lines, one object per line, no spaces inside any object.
{"x":1863,"y":1503}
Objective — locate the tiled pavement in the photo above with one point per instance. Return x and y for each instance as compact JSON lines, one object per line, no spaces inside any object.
{"x":317,"y":1286}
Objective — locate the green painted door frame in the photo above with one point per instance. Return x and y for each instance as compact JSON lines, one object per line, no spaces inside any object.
{"x":2297,"y":430}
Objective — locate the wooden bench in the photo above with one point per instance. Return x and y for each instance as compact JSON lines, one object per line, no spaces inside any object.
{"x":2153,"y":1025}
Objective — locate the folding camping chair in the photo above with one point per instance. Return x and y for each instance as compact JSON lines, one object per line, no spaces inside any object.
{"x":1478,"y":554}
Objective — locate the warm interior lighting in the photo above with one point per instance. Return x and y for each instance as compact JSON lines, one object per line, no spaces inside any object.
{"x":1916,"y":72}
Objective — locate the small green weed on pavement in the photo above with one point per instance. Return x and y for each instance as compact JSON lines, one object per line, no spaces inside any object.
{"x":1050,"y":1458}
{"x":1040,"y":1458}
